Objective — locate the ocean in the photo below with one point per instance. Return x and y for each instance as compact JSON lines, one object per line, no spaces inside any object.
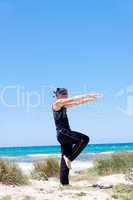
{"x":32,"y":153}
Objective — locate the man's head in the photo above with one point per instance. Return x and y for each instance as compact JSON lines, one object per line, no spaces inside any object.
{"x":61,"y":93}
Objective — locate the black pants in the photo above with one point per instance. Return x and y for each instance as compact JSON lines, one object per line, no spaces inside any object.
{"x":72,"y":143}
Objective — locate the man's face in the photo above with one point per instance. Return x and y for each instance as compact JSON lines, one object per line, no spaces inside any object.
{"x":63,"y":96}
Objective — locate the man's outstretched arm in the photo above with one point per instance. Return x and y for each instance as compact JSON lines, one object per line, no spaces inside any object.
{"x":73,"y":101}
{"x":82,"y":101}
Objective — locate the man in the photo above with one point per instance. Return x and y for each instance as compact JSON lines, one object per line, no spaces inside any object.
{"x":72,"y":142}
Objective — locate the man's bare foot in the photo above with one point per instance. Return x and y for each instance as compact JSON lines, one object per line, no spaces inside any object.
{"x":65,"y":186}
{"x":68,"y":162}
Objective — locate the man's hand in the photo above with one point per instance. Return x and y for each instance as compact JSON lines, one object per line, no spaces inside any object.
{"x":95,"y":95}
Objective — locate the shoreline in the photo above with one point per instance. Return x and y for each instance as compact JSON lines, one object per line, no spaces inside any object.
{"x":37,"y":156}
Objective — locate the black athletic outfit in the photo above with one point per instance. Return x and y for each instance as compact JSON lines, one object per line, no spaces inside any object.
{"x":72,"y":142}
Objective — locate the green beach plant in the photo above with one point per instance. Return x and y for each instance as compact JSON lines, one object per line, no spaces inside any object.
{"x":7,"y":197}
{"x":28,"y":198}
{"x":11,"y":174}
{"x":129,"y":175}
{"x":123,"y":192}
{"x":45,"y":168}
{"x":114,"y":163}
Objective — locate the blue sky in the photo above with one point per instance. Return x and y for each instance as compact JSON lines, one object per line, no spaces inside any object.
{"x":81,"y":45}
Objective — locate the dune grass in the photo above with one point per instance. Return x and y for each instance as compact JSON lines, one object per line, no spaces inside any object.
{"x":27,"y":198}
{"x":46,"y":168}
{"x":114,"y":163}
{"x":8,"y":197}
{"x":123,"y":192}
{"x":11,"y":174}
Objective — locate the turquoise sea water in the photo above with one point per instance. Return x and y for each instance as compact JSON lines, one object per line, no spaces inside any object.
{"x":40,"y":150}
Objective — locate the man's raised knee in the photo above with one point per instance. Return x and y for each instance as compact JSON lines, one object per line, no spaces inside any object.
{"x":87,"y":139}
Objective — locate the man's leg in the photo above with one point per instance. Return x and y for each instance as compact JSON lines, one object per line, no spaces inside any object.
{"x":72,"y":137}
{"x":64,"y":170}
{"x":80,"y":145}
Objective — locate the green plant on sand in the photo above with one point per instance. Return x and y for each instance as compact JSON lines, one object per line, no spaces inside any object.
{"x":10,"y":173}
{"x":46,"y":168}
{"x":8,"y":197}
{"x":114,"y":163}
{"x":123,"y":192}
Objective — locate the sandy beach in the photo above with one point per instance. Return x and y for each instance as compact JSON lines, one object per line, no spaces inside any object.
{"x":40,"y":190}
{"x":81,"y":187}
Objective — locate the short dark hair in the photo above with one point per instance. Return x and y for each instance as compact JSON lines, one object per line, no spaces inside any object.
{"x":60,"y":91}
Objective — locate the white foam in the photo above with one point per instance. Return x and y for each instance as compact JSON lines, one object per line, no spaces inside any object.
{"x":42,"y":155}
{"x":26,"y":167}
{"x":107,"y":152}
